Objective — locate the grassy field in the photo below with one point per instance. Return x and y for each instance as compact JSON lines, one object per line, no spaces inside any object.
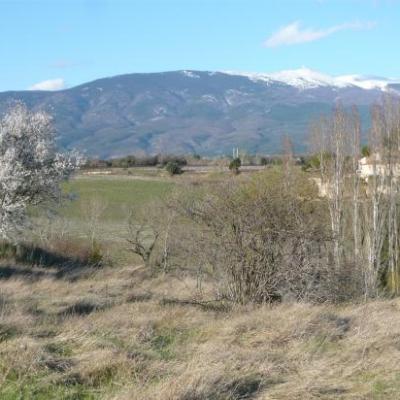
{"x":100,"y":206}
{"x":116,"y":192}
{"x":113,"y":334}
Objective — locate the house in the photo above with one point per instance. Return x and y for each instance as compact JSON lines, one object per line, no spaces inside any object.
{"x":373,"y":165}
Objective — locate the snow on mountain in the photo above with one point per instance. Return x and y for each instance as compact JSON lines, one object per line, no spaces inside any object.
{"x":190,"y":74}
{"x":367,"y":82}
{"x":305,"y":78}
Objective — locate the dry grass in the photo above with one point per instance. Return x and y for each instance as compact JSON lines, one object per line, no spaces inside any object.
{"x":110,"y":335}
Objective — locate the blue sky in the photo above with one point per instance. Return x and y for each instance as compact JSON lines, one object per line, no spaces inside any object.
{"x":68,"y":42}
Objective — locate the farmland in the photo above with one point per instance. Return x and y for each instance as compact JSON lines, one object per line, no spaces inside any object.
{"x":117,"y":192}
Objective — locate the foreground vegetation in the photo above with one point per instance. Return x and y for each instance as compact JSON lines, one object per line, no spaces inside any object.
{"x":118,"y":333}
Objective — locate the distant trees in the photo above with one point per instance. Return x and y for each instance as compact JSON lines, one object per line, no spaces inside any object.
{"x":30,"y":167}
{"x":161,"y":160}
{"x":137,"y":161}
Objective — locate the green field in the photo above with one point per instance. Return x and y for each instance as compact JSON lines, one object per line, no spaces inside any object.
{"x":117,"y":193}
{"x":100,"y":207}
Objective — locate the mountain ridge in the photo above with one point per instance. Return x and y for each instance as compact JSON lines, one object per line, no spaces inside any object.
{"x":189,"y":111}
{"x":305,"y":78}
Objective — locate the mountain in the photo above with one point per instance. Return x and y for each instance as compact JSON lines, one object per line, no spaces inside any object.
{"x":198,"y":111}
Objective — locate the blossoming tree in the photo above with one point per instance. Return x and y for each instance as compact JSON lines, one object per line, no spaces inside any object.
{"x":31,"y":169}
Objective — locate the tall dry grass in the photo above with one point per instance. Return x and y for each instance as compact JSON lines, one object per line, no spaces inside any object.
{"x":113,"y":334}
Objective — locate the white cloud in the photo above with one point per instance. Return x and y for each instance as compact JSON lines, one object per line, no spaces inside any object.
{"x":50,"y":84}
{"x":295,"y":34}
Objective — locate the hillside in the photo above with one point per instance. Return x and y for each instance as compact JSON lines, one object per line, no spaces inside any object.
{"x":196,"y":112}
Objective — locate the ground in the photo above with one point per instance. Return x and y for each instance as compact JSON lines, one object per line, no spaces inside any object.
{"x":118,"y":333}
{"x":122,"y":332}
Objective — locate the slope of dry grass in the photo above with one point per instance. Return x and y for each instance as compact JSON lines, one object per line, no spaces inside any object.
{"x":112,"y":334}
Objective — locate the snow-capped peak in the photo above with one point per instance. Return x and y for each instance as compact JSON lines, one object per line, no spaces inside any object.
{"x":366,"y":82}
{"x":305,"y":78}
{"x":190,"y":74}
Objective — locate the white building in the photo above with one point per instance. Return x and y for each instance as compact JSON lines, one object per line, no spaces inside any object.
{"x":372,"y":165}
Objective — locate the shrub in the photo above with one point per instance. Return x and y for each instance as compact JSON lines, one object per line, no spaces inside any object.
{"x":173,"y":168}
{"x":234,"y":165}
{"x":95,"y":256}
{"x":57,"y":253}
{"x":365,"y":151}
{"x":267,"y":240}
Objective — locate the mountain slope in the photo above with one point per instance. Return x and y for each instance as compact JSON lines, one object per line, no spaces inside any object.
{"x":196,"y":111}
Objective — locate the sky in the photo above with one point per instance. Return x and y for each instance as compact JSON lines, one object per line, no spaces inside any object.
{"x":55,"y":44}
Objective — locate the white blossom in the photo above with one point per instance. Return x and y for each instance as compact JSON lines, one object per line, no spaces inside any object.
{"x":31,"y":169}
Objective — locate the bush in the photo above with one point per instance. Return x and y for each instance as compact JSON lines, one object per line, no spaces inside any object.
{"x":173,"y":168}
{"x":95,"y":256}
{"x":268,"y":240}
{"x":234,"y":165}
{"x":58,"y":253}
{"x":365,"y":151}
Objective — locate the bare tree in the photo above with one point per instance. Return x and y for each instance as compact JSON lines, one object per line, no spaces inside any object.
{"x":93,"y":210}
{"x":376,"y":210}
{"x":356,"y":152}
{"x":331,"y":139}
{"x":392,"y":138}
{"x":382,"y":227}
{"x":142,"y":238}
{"x":288,"y":160}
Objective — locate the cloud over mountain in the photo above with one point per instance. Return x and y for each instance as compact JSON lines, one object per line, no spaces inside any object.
{"x":294,"y":33}
{"x":50,"y":84}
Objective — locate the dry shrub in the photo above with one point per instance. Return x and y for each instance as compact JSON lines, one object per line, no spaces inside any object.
{"x":58,"y":252}
{"x":80,"y":251}
{"x":266,"y":240}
